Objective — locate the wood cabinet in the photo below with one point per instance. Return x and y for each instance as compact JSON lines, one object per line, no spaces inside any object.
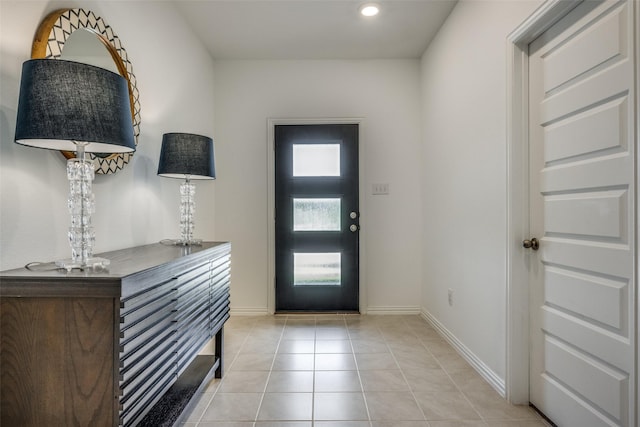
{"x":114,"y":347}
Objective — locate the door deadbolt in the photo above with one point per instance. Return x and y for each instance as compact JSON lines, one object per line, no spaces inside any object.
{"x":531,"y":244}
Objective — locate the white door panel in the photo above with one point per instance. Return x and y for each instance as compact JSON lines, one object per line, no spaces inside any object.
{"x":598,"y":88}
{"x":604,"y":384}
{"x":600,"y":302}
{"x":594,"y":47}
{"x":600,"y":342}
{"x":575,"y":410}
{"x":596,"y":214}
{"x":606,"y":171}
{"x":588,"y":134}
{"x":582,"y":197}
{"x":614,"y":260}
{"x":585,"y":51}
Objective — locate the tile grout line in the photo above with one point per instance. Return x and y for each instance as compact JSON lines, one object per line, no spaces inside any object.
{"x":446,"y":371}
{"x":424,"y":416}
{"x":273,"y":362}
{"x":458,"y":388}
{"x":222,"y":379}
{"x":313,"y":374}
{"x":355,"y":361}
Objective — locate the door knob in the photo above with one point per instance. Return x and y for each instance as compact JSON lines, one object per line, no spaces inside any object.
{"x":531,"y":244}
{"x":353,"y":228}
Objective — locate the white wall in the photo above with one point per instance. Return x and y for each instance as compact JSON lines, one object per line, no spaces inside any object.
{"x":386,"y":95}
{"x":134,"y":206}
{"x":464,"y":175}
{"x":442,"y":150}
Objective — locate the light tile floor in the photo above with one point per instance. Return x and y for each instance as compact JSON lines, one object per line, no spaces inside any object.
{"x":348,"y":371}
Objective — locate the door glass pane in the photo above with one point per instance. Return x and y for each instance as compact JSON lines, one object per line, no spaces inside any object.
{"x":317,"y":269}
{"x":316,"y":159}
{"x":316,"y":214}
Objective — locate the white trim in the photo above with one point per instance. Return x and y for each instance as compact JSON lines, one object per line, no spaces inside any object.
{"x":636,"y":11}
{"x":541,"y":20}
{"x":271,"y":123}
{"x":485,"y":371}
{"x":408,"y":310}
{"x":517,"y":321}
{"x":248,"y":311}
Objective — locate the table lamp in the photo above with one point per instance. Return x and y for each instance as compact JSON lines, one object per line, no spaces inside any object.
{"x":71,"y":106}
{"x":187,"y":156}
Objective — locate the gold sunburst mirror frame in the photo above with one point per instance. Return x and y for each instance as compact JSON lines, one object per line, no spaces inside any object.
{"x":49,"y":42}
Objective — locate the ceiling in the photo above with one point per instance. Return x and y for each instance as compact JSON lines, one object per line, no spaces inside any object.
{"x":314,"y":29}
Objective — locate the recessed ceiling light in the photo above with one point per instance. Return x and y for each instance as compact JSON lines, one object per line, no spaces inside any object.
{"x":369,"y":9}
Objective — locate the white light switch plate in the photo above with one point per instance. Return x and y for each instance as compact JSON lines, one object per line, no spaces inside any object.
{"x":379,"y":189}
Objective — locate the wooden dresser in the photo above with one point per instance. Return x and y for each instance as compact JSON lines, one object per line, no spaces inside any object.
{"x":115,"y":347}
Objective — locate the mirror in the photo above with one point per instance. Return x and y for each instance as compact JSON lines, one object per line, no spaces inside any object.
{"x":84,"y":46}
{"x":92,"y":41}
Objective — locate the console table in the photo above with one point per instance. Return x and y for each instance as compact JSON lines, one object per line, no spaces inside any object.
{"x":117,"y":347}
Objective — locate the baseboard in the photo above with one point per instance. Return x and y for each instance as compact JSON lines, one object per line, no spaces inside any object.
{"x":393,"y":310}
{"x":485,"y":371}
{"x":249,"y":311}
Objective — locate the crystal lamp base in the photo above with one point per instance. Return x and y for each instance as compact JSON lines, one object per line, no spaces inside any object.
{"x":94,"y":263}
{"x":183,"y":242}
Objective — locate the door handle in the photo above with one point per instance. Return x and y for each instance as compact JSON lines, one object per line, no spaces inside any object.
{"x":353,"y":228}
{"x":531,"y":244}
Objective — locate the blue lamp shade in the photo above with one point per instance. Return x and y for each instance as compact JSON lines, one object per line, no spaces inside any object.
{"x":185,"y":155}
{"x":62,"y":103}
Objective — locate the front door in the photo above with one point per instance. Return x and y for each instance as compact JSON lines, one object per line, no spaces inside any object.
{"x":316,"y":218}
{"x":582,"y":166}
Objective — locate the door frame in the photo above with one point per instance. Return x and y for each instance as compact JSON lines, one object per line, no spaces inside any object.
{"x":271,"y":230}
{"x":517,"y":295}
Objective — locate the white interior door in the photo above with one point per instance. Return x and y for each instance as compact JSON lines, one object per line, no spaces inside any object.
{"x":582,"y":169}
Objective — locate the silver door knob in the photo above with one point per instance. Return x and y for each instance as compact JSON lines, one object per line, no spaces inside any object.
{"x":353,"y":228}
{"x":531,"y":244}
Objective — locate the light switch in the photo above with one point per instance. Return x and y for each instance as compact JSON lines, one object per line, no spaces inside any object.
{"x":379,"y":189}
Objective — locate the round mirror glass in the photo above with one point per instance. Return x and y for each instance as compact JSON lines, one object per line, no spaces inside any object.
{"x":85,"y":46}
